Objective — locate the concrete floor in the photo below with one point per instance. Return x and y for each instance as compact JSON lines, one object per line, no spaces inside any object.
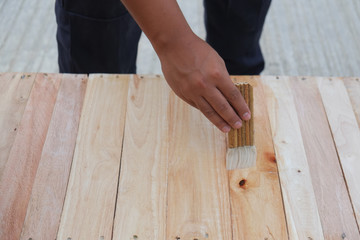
{"x":305,"y":37}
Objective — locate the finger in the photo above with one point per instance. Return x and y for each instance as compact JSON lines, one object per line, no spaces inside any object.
{"x":234,"y":97}
{"x":223,"y":108}
{"x":212,"y":115}
{"x":188,"y":101}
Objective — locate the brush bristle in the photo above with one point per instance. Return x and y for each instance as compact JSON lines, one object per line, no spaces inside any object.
{"x":240,"y":157}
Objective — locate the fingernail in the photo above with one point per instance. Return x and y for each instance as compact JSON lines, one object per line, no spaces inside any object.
{"x":226,"y":129}
{"x":246,"y":116}
{"x":238,"y":124}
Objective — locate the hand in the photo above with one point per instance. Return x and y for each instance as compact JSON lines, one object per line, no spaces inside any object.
{"x":197,"y":74}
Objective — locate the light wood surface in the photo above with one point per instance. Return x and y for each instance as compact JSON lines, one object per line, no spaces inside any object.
{"x":48,"y":193}
{"x":19,"y":173}
{"x":145,"y":165}
{"x":337,"y":218}
{"x":353,"y":87}
{"x":197,"y":159}
{"x":90,"y":199}
{"x":302,"y":215}
{"x":346,"y":134}
{"x":141,"y":204}
{"x":14,"y":91}
{"x":256,"y":203}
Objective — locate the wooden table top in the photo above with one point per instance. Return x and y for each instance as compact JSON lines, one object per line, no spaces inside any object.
{"x":121,"y":157}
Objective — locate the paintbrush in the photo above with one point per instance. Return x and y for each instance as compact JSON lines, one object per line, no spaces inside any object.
{"x":241,"y":151}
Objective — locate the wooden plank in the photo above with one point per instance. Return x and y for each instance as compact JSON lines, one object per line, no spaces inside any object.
{"x":353,"y":88}
{"x":20,"y":170}
{"x":141,"y":203}
{"x":91,"y":194}
{"x":301,"y":210}
{"x":14,"y":91}
{"x":256,"y":203}
{"x":198,"y":190}
{"x":337,"y":217}
{"x":346,"y":134}
{"x":48,"y":193}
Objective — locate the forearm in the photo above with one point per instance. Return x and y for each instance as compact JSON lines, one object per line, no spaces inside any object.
{"x":194,"y":70}
{"x":161,"y":20}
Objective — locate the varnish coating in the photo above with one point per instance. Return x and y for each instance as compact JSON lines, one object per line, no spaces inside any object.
{"x":245,"y":135}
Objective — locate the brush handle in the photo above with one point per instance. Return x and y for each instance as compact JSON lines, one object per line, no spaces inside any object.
{"x":245,"y":135}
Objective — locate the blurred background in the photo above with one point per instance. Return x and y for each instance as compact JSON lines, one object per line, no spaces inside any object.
{"x":302,"y":37}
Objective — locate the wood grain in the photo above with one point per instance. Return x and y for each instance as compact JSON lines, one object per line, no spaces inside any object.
{"x":251,"y":122}
{"x":14,"y":91}
{"x":91,"y":194}
{"x":337,"y":217}
{"x":239,"y":131}
{"x":48,"y":193}
{"x":233,"y":138}
{"x":141,"y":203}
{"x":301,"y":210}
{"x":353,"y":88}
{"x":243,"y":128}
{"x":346,"y":134}
{"x":20,"y":170}
{"x":243,"y":136}
{"x":256,"y":203}
{"x":198,"y":192}
{"x":173,"y":183}
{"x":247,"y":123}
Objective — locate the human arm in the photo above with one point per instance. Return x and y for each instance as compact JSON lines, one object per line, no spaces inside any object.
{"x":194,"y":71}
